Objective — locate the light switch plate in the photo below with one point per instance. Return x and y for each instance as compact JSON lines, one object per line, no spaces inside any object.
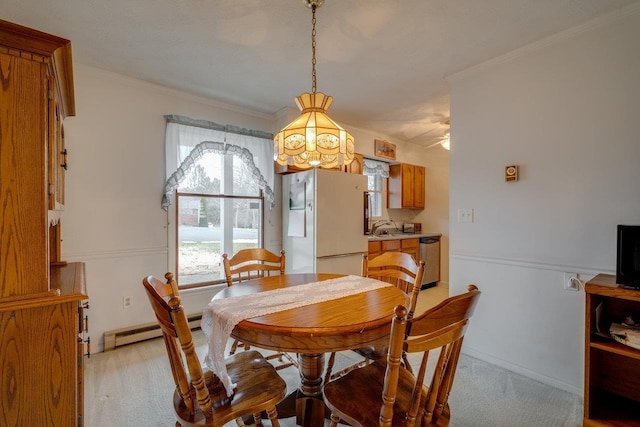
{"x":465,"y":215}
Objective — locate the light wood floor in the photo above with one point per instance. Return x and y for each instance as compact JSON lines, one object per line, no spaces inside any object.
{"x":431,"y":296}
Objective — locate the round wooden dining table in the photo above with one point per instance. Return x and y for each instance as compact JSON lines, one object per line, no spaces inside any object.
{"x":312,"y":330}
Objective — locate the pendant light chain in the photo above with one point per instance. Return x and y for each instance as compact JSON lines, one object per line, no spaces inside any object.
{"x":313,"y":48}
{"x":313,"y":139}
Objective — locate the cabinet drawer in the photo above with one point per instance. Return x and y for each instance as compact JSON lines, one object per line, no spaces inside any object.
{"x":391,"y":245}
{"x":375,"y":247}
{"x":410,"y":243}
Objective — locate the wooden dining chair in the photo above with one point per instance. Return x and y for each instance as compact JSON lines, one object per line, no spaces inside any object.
{"x":248,"y":264}
{"x":390,"y":395}
{"x":401,"y":270}
{"x":200,"y":398}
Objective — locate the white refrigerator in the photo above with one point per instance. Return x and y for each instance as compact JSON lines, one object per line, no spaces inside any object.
{"x":323,"y":221}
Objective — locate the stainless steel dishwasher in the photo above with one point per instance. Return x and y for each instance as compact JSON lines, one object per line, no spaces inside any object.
{"x":430,"y":254}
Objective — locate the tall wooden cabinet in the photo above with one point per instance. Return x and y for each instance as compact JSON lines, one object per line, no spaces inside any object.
{"x":41,"y":297}
{"x":612,"y":369}
{"x":406,"y":186}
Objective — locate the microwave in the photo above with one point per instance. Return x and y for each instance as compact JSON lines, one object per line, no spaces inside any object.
{"x":411,"y":227}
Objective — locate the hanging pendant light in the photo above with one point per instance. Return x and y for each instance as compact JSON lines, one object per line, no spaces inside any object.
{"x":313,"y":139}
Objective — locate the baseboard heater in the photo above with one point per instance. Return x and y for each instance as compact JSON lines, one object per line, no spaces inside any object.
{"x":133,"y":334}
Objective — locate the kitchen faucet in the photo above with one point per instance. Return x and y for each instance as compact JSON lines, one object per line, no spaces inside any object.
{"x":380,"y":223}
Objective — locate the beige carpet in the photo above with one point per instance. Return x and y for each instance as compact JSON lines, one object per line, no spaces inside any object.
{"x":132,"y":386}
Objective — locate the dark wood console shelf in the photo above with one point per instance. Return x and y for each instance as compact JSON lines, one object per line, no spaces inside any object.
{"x":612,"y":370}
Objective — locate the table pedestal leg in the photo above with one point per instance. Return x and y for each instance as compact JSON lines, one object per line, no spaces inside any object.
{"x":310,"y":408}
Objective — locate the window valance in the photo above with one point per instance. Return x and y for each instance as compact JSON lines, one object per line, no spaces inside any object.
{"x":187,"y":140}
{"x":376,"y":167}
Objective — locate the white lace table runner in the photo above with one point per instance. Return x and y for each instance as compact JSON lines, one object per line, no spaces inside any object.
{"x":222,"y":315}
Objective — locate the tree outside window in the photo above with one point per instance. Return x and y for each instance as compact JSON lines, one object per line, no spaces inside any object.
{"x":219,"y":210}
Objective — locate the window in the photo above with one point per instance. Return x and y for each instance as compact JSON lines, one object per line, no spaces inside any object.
{"x":375,"y":195}
{"x":219,"y":192}
{"x":376,"y":172}
{"x":210,"y":223}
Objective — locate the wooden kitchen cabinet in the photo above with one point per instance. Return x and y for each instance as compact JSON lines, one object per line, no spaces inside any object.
{"x":406,"y":186}
{"x":374,"y":248}
{"x":410,"y":246}
{"x":40,"y":295}
{"x":612,"y":369}
{"x":356,"y":166}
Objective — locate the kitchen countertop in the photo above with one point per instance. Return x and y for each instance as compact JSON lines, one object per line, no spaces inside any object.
{"x":400,"y":235}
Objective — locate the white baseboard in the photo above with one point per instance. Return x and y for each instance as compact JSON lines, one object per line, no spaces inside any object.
{"x":138,"y":333}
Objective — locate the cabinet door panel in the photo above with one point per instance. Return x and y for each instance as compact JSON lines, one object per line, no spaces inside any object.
{"x":56,"y":152}
{"x":391,"y":245}
{"x":357,"y":165}
{"x":24,"y":264}
{"x":45,"y":394}
{"x":419,"y":187}
{"x":406,"y":185}
{"x":408,"y":190}
{"x":410,"y":243}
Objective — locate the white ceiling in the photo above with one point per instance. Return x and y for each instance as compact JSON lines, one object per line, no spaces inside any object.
{"x":383,"y":61}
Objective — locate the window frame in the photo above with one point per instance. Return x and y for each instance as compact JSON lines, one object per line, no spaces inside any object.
{"x":378,"y":182}
{"x":186,"y":141}
{"x":222,"y":280}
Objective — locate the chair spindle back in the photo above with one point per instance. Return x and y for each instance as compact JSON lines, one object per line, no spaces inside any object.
{"x":247,"y":264}
{"x":441,"y":327}
{"x":165,"y":301}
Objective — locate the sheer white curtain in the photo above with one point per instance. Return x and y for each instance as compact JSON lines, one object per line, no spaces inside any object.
{"x":376,"y":171}
{"x":376,"y":167}
{"x":186,"y":140}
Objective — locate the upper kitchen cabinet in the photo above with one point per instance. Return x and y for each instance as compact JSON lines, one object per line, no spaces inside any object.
{"x":356,"y":166}
{"x":406,"y":186}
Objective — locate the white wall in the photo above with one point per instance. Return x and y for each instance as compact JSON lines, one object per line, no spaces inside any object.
{"x":566,"y":111}
{"x":113,"y":220}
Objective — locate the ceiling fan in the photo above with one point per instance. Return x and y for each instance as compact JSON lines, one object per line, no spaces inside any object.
{"x":439,"y":122}
{"x":444,"y":140}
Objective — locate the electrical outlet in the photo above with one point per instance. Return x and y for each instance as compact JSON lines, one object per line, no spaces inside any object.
{"x":465,"y":215}
{"x":127,"y":302}
{"x":571,"y":282}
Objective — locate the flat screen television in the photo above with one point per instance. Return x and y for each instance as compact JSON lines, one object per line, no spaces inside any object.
{"x":628,"y":258}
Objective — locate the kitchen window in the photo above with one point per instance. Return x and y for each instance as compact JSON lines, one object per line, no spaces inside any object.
{"x":376,"y":172}
{"x":375,"y":184}
{"x":218,"y":189}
